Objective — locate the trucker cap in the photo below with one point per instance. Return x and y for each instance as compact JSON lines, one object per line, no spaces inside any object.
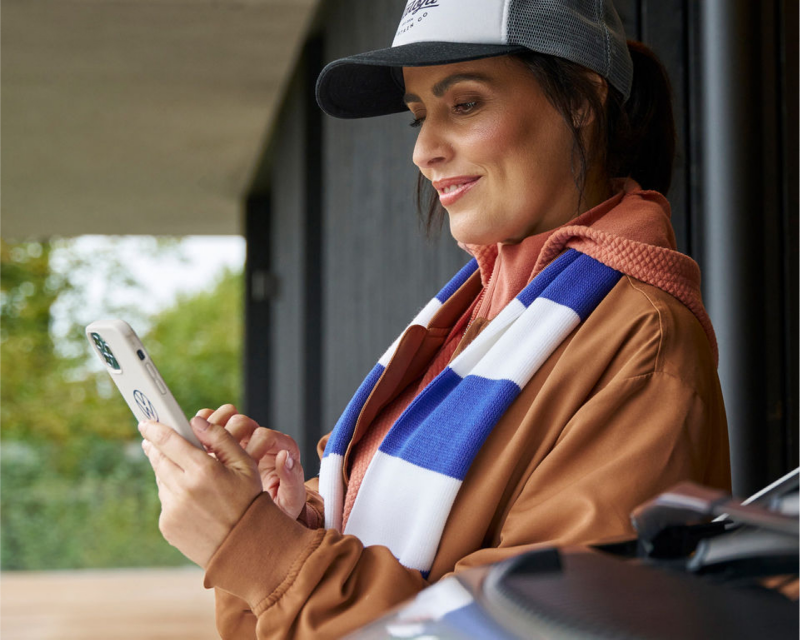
{"x":433,"y":32}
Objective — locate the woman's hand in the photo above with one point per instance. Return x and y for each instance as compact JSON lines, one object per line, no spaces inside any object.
{"x":276,"y":454}
{"x":202,"y":497}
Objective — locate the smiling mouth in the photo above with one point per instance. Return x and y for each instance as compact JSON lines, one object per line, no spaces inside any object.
{"x":452,"y":189}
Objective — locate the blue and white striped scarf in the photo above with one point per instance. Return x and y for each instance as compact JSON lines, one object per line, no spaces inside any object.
{"x":412,"y":481}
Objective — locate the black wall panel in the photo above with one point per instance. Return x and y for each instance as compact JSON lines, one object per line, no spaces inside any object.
{"x":379,"y":268}
{"x":285,"y":294}
{"x":288,"y":237}
{"x":258,"y":328}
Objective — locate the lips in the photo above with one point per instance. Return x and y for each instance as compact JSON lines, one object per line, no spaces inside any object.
{"x":452,"y":189}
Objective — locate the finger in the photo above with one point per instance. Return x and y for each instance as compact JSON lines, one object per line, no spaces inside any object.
{"x":205,"y":414}
{"x":291,"y":492}
{"x":221,"y":443}
{"x":163,"y":492}
{"x":222,"y":415}
{"x":268,"y":442}
{"x":172,"y":446}
{"x":241,"y":428}
{"x":271,"y":484}
{"x":167,"y":472}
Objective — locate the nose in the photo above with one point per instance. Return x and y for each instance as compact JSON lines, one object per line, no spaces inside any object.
{"x":432,"y":148}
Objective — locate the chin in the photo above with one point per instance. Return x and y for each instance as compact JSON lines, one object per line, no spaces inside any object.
{"x":472,"y":238}
{"x":470,"y":234}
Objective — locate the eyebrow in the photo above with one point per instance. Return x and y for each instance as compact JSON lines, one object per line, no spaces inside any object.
{"x":442,"y":86}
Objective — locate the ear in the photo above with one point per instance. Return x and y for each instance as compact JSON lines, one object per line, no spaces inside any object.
{"x":584,"y":115}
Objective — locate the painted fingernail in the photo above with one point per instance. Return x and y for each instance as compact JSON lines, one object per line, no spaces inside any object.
{"x":289,"y":461}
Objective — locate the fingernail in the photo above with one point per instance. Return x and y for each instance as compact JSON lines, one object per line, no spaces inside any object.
{"x":202,"y":423}
{"x":140,"y":427}
{"x":289,"y":461}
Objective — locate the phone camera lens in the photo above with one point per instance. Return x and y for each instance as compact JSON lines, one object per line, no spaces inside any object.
{"x":140,"y":353}
{"x":105,"y":352}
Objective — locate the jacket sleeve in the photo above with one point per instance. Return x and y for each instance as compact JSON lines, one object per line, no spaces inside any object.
{"x":620,"y":448}
{"x":235,"y":619}
{"x":313,"y":513}
{"x":300,"y":582}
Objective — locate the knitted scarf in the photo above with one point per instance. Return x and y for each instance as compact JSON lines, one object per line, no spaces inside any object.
{"x":412,"y":481}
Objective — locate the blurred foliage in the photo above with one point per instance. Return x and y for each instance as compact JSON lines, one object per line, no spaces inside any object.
{"x":197,"y":346}
{"x":29,"y":289}
{"x":101,"y":512}
{"x":76,"y":489}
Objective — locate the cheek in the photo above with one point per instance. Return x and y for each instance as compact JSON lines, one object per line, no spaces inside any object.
{"x":541,"y":155}
{"x":496,"y":138}
{"x":522,"y":147}
{"x":484,"y":142}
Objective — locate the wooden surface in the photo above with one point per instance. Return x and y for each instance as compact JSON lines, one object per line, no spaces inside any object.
{"x":120,"y":604}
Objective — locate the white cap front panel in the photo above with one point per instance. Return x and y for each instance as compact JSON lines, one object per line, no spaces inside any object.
{"x":470,"y":21}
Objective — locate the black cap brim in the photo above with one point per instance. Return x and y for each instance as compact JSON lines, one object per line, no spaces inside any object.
{"x":368,"y":84}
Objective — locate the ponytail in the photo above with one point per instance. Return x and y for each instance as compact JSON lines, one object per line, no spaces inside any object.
{"x":641,"y":131}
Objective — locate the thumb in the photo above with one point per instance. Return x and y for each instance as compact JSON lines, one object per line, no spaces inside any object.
{"x":291,"y":490}
{"x":218,"y":441}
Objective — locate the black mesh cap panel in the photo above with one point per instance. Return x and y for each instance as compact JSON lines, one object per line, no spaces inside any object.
{"x":588,"y":32}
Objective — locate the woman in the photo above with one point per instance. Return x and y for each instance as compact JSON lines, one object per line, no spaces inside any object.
{"x":564,"y":376}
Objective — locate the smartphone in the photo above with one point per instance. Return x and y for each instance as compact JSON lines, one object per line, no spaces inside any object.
{"x":136,"y":376}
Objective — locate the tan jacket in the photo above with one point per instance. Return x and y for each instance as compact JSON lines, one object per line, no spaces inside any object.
{"x":628,"y":405}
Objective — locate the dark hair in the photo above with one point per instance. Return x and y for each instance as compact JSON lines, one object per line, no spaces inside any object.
{"x":633,"y":138}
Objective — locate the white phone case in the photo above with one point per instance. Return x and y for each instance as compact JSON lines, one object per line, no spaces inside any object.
{"x":136,"y":376}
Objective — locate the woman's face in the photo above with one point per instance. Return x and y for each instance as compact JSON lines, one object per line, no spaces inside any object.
{"x":496,"y":151}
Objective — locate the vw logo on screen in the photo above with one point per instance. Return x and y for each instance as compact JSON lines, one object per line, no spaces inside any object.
{"x":145,"y":405}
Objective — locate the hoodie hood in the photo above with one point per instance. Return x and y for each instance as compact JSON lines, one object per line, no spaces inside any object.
{"x":631,"y":233}
{"x":636,"y":238}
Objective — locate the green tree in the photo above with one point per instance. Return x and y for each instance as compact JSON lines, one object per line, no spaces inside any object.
{"x":76,"y":490}
{"x":48,"y":394}
{"x":41,"y":397}
{"x":29,"y":290}
{"x":197,"y":345}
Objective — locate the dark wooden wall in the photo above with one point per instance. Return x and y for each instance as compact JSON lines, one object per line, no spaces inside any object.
{"x":345,"y":263}
{"x":379,"y":269}
{"x":283,"y":380}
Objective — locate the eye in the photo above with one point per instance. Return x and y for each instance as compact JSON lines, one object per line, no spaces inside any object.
{"x":416,"y":122}
{"x":465,"y":107}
